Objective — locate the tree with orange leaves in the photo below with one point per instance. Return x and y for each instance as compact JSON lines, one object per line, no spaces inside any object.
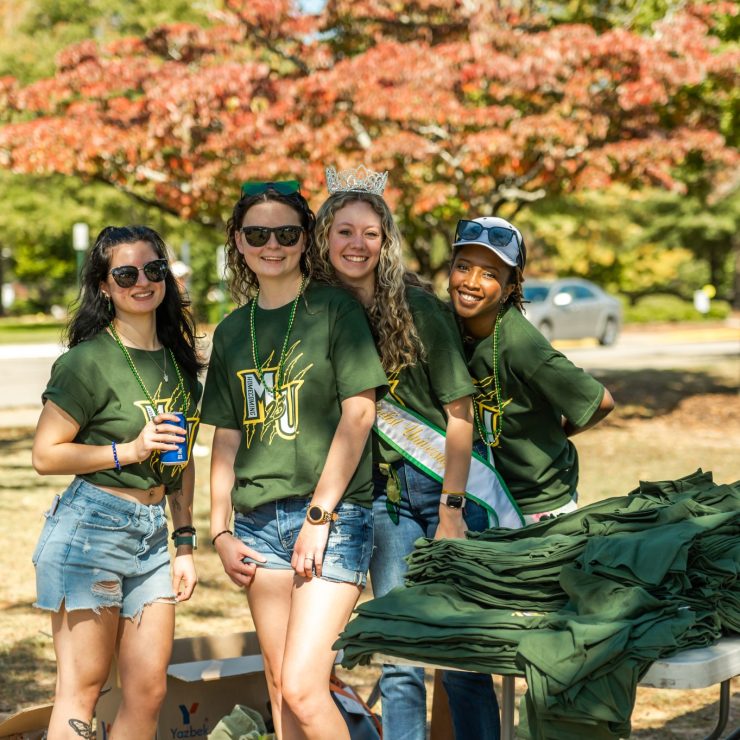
{"x":471,"y":107}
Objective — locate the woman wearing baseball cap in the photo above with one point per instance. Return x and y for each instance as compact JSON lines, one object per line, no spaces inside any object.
{"x":530,"y":399}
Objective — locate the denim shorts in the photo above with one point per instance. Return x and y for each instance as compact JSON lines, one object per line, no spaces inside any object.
{"x":272,"y":530}
{"x":98,"y":550}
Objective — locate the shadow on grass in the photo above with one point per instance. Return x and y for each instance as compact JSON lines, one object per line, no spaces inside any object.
{"x":699,"y":723}
{"x":18,"y":606}
{"x":21,"y":667}
{"x":15,"y":440}
{"x":646,"y":393}
{"x":203,"y":612}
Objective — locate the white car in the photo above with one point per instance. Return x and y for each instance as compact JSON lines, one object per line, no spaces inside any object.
{"x":571,"y":308}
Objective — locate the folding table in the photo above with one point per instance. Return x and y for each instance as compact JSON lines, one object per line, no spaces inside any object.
{"x":690,"y":669}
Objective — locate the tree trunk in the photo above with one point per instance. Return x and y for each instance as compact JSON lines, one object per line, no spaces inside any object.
{"x":735,"y":296}
{"x":2,"y":280}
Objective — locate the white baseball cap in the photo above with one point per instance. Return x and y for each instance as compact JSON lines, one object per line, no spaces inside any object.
{"x":497,"y":234}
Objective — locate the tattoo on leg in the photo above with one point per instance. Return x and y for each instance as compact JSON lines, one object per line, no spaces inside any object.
{"x":83,"y":729}
{"x":174,"y":500}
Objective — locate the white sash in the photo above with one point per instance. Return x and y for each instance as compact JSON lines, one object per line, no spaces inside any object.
{"x":423,"y":444}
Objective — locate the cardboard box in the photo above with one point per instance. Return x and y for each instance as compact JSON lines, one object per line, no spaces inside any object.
{"x":206,"y":677}
{"x":28,"y":724}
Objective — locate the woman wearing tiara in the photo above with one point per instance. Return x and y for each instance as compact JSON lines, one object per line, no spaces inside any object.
{"x":359,"y":246}
{"x":291,"y":391}
{"x":102,"y":561}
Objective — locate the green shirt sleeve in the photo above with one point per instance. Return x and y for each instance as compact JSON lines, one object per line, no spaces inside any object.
{"x":447,"y":369}
{"x":68,"y":389}
{"x":570,"y":390}
{"x":353,"y":354}
{"x":218,"y":399}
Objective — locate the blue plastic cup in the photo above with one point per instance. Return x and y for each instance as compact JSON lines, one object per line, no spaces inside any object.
{"x":180,"y":455}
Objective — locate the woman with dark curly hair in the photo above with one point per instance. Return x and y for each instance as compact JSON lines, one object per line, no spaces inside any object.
{"x":102,"y":561}
{"x":530,"y":399}
{"x":291,"y":391}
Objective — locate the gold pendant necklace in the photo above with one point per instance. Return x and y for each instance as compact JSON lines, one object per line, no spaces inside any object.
{"x":185,"y":398}
{"x":150,"y":354}
{"x":163,"y":367}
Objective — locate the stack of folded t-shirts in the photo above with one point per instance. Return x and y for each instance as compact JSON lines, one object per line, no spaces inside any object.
{"x":580,"y":604}
{"x":519,"y":575}
{"x":432,"y":623}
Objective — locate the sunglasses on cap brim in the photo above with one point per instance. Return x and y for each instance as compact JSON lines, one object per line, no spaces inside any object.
{"x":495,"y":236}
{"x":126,"y":276}
{"x":258,"y":236}
{"x":284,"y":187}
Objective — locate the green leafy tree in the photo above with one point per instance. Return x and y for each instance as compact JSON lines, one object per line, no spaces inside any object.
{"x":37,"y":229}
{"x":33,"y":32}
{"x":597,"y":235}
{"x":474,"y":107}
{"x":38,"y":212}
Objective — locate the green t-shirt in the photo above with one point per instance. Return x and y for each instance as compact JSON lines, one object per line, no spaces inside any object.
{"x":94,"y":384}
{"x":538,"y":384}
{"x":441,"y":377}
{"x":331,"y":356}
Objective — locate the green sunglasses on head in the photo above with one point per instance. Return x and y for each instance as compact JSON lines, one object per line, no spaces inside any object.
{"x":284,"y":187}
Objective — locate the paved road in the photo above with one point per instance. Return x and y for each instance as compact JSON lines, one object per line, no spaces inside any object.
{"x":24,"y":369}
{"x":648,"y":352}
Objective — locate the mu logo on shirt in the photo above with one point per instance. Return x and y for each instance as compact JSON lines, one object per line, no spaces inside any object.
{"x":269,"y":412}
{"x":165,"y":406}
{"x":487,"y":407}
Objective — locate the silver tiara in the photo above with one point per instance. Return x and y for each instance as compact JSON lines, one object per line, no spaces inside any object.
{"x":359,"y":180}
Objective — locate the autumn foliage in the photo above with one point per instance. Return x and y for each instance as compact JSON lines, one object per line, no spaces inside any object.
{"x":469,"y":107}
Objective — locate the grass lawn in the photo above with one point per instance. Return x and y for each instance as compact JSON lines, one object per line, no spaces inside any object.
{"x":668,"y":423}
{"x":30,"y":330}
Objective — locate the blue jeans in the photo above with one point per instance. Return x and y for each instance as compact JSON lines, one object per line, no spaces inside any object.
{"x":273,"y":528}
{"x":98,"y":551}
{"x":472,"y":699}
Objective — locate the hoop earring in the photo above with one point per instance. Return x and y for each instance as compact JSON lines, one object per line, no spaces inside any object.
{"x":108,"y":305}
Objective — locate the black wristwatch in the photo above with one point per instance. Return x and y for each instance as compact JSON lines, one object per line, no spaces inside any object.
{"x":319,"y":515}
{"x":452,"y":500}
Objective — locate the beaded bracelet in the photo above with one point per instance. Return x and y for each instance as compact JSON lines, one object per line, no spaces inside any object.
{"x":189,"y":529}
{"x":223,"y":531}
{"x":115,"y":456}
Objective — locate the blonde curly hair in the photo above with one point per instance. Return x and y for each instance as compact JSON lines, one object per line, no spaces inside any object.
{"x":390,"y":317}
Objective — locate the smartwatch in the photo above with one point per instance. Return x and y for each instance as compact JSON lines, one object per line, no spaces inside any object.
{"x":186,"y":539}
{"x":319,"y":515}
{"x":452,"y":500}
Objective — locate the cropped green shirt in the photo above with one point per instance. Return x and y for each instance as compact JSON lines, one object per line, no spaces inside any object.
{"x":94,"y":384}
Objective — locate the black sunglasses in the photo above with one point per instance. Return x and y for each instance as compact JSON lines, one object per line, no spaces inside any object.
{"x":127,"y":275}
{"x":498,"y":236}
{"x":284,"y":187}
{"x":258,"y":236}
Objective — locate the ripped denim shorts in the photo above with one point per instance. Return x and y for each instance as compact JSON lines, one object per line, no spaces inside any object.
{"x":98,"y":550}
{"x":272,"y":530}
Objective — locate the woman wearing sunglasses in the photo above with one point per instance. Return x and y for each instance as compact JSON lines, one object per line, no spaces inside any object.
{"x":529,"y":398}
{"x":291,"y":391}
{"x":416,"y":494}
{"x":102,"y":561}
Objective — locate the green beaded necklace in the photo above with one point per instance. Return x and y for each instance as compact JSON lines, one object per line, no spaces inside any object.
{"x":497,"y":385}
{"x":181,"y":385}
{"x":255,"y":350}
